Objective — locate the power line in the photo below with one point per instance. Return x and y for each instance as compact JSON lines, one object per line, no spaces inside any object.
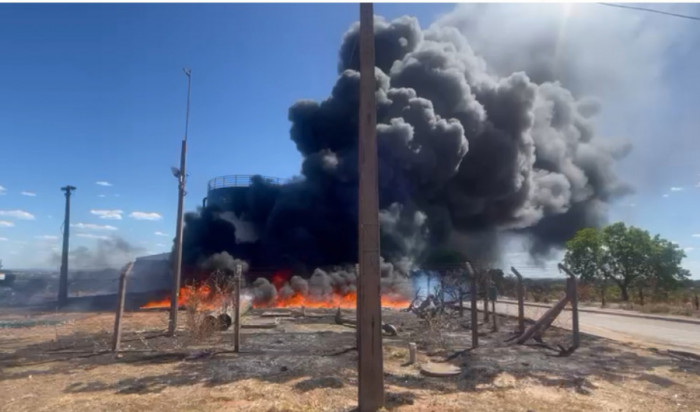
{"x":623,"y":6}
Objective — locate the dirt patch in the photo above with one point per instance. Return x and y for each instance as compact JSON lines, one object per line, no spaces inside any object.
{"x":309,"y":364}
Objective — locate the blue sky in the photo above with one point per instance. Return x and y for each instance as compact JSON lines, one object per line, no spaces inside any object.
{"x":96,"y":93}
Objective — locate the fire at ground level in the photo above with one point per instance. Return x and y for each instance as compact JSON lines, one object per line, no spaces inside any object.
{"x":292,"y":363}
{"x":281,"y":289}
{"x":211,"y":300}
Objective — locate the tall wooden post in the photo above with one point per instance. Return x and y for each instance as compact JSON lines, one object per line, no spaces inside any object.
{"x":486,"y":281}
{"x":521,"y":301}
{"x":116,"y":339}
{"x":369,"y":314}
{"x":442,"y":293}
{"x":473,"y":305}
{"x":572,"y":293}
{"x":494,"y":318}
{"x":237,"y":311}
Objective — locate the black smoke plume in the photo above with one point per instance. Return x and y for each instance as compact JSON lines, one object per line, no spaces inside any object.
{"x":322,"y":285}
{"x":466,"y":157}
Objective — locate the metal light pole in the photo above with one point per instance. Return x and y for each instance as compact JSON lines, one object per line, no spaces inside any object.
{"x":63,"y":279}
{"x":369,"y":314}
{"x":181,"y":175}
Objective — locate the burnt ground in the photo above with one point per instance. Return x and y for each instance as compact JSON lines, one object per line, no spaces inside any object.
{"x":57,"y":361}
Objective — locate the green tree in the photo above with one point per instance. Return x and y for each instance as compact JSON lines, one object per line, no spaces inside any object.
{"x":629,"y":251}
{"x":664,"y":272}
{"x":586,"y":255}
{"x":627,"y":256}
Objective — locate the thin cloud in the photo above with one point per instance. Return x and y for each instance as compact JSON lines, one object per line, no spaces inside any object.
{"x":4,"y":239}
{"x":3,"y":190}
{"x":47,"y":237}
{"x":30,"y":194}
{"x":145,"y":215}
{"x":664,"y":195}
{"x":688,"y":249}
{"x":111,"y":214}
{"x":101,"y":195}
{"x":676,"y":189}
{"x":6,"y":223}
{"x":161,"y":245}
{"x":695,"y":235}
{"x":103,"y":183}
{"x":161,"y":234}
{"x":91,"y":236}
{"x":92,"y":226}
{"x":17,"y":214}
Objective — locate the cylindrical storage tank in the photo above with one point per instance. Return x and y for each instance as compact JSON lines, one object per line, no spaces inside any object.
{"x":230,"y":192}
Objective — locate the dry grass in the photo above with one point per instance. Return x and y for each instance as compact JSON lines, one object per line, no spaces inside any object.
{"x":196,"y":322}
{"x":291,"y":369}
{"x":436,"y":325}
{"x":662,"y":308}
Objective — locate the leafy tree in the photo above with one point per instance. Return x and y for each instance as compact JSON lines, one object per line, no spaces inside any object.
{"x":627,"y":256}
{"x":586,"y":255}
{"x":664,"y":272}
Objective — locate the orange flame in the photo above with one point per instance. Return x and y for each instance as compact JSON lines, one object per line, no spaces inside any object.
{"x":204,"y":296}
{"x":348,"y":301}
{"x":189,"y":294}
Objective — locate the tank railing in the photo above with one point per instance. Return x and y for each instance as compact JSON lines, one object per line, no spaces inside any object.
{"x":240,"y":181}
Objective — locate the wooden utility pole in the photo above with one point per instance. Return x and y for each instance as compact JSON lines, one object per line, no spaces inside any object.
{"x":473,"y":305}
{"x":237,"y":313}
{"x":63,"y":279}
{"x":116,"y":339}
{"x":521,"y":300}
{"x":369,"y":315}
{"x":181,"y":175}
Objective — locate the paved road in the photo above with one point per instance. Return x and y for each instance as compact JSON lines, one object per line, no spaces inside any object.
{"x":662,"y":334}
